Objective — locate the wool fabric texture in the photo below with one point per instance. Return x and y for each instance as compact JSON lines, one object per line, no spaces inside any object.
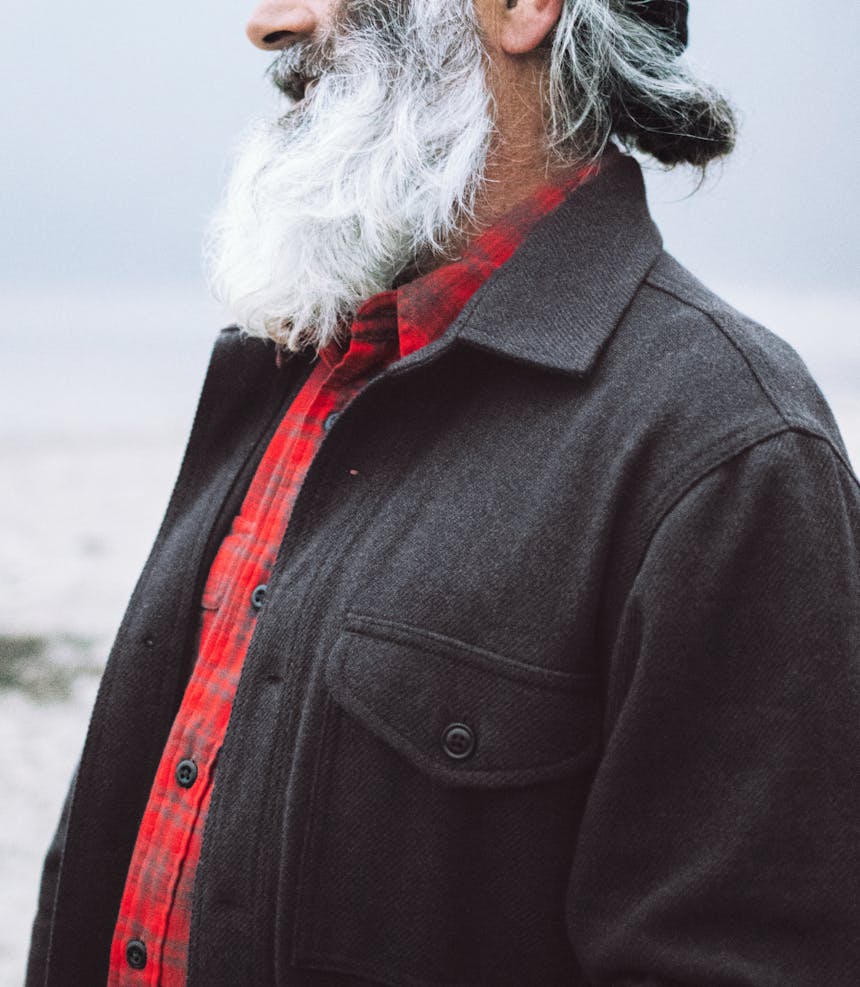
{"x":557,"y":679}
{"x":155,"y":912}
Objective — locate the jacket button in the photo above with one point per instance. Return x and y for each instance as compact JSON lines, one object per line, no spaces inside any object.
{"x":258,"y":597}
{"x":331,"y":419}
{"x":135,"y":953}
{"x":458,"y":741}
{"x":186,"y":772}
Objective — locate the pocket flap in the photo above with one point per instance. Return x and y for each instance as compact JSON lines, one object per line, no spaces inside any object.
{"x":462,"y":714}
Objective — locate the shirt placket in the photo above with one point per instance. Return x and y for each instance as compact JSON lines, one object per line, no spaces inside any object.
{"x":149,"y":916}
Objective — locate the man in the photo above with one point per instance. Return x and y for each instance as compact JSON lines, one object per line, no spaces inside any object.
{"x":504,"y":625}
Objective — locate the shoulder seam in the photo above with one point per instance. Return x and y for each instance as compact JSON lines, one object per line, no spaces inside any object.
{"x":790,"y":422}
{"x":722,"y":330}
{"x":662,"y":516}
{"x":729,"y":457}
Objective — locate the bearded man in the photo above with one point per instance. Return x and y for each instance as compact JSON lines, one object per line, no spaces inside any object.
{"x":504,"y":625}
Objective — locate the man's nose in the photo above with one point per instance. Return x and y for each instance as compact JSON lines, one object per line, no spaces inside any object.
{"x":276,"y":23}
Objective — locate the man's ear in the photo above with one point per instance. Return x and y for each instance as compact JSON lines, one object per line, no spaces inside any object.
{"x":523,"y":24}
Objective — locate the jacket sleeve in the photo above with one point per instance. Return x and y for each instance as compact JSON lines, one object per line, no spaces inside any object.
{"x":41,"y":934}
{"x":721,"y":839}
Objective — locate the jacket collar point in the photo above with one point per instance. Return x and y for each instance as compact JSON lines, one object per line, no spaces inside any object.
{"x":558,"y":300}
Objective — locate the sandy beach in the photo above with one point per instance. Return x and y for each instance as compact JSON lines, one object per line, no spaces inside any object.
{"x":92,"y":427}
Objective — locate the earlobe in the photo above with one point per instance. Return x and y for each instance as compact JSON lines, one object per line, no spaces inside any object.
{"x":526,"y":23}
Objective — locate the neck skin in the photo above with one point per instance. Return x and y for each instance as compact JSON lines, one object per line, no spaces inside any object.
{"x":519,"y":161}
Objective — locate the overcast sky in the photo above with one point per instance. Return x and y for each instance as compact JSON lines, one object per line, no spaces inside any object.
{"x":117,"y":120}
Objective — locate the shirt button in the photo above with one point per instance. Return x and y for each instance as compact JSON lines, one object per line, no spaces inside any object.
{"x":258,"y":596}
{"x":135,"y":953}
{"x":332,"y":418}
{"x":458,"y":741}
{"x":186,"y":772}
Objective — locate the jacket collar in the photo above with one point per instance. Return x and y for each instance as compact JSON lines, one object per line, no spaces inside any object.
{"x":558,"y":299}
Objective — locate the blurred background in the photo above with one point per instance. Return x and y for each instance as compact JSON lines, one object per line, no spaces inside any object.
{"x":117,"y":120}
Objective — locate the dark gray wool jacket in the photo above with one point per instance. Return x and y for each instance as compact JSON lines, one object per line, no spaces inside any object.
{"x":606,"y":530}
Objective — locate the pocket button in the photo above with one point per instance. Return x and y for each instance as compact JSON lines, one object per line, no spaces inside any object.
{"x":458,"y":741}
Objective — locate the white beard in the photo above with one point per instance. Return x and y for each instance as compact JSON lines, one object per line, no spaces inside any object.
{"x":379,"y":165}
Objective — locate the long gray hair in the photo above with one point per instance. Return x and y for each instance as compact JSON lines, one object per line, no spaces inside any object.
{"x":612,"y":73}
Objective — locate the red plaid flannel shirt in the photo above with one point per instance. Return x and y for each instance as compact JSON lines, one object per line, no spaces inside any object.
{"x":150,"y":940}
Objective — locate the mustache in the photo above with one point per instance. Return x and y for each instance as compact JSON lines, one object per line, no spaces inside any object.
{"x":380,"y":26}
{"x":298,"y":65}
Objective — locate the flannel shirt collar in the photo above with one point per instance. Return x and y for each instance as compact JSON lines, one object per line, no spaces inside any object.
{"x":555,"y":302}
{"x":421,"y":309}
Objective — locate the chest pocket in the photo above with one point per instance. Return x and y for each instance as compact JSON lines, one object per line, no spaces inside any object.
{"x":449,"y":785}
{"x":463,"y":715}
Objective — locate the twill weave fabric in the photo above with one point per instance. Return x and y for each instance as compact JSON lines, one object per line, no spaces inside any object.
{"x":604,"y":532}
{"x":157,"y":901}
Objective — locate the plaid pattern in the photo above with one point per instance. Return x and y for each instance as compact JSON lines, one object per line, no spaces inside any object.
{"x":155,"y":911}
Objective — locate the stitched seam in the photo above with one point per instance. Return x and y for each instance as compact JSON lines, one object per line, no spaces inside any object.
{"x":726,"y":334}
{"x":790,"y":422}
{"x":693,"y":484}
{"x":461,"y":771}
{"x":688,"y":488}
{"x":318,"y":800}
{"x":791,"y":425}
{"x":424,"y":640}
